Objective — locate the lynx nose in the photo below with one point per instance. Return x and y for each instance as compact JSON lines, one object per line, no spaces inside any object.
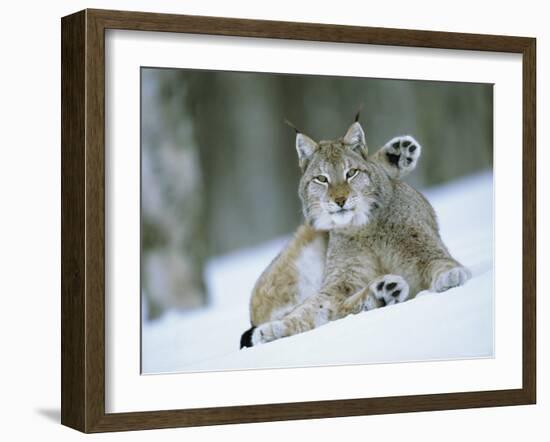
{"x":341,"y":200}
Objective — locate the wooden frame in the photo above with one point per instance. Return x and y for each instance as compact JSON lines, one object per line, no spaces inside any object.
{"x":83,"y":220}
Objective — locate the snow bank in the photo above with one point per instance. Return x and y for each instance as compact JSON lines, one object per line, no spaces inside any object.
{"x":455,"y":324}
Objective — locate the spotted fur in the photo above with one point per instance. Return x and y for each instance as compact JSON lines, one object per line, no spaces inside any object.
{"x":371,"y":239}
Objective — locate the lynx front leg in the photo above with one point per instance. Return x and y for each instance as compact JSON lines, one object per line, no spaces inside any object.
{"x":399,"y":156}
{"x":315,"y":311}
{"x":293,"y":276}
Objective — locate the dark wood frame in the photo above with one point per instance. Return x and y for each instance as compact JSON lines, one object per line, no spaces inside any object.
{"x":83,"y":220}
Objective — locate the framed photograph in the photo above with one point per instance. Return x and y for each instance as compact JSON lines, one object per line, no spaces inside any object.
{"x":269,"y":220}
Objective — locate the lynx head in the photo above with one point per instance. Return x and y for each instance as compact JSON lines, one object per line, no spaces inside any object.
{"x":339,"y":187}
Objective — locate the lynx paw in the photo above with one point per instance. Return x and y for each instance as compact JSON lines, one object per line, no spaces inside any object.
{"x":262,"y":334}
{"x":450,"y":278}
{"x":403,"y":152}
{"x":387,"y":290}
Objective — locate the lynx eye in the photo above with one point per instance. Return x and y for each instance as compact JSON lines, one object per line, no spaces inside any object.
{"x":321,"y":179}
{"x":351,"y":173}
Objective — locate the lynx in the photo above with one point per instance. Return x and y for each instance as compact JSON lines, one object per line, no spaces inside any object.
{"x":369,"y":240}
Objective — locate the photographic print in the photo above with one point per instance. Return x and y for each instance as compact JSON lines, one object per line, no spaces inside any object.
{"x":302,"y":220}
{"x":250,"y":204}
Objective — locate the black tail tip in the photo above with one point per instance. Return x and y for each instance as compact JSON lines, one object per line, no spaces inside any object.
{"x":246,"y":338}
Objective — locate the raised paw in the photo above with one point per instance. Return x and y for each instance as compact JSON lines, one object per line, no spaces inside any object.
{"x":403,"y":153}
{"x":447,"y":279}
{"x":387,"y":290}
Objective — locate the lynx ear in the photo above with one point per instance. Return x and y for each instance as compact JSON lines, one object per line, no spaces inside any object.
{"x":305,"y":147}
{"x":355,"y":139}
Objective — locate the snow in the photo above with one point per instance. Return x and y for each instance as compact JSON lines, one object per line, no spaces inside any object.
{"x":457,"y":324}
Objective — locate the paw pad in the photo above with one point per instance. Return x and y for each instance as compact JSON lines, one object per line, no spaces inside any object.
{"x":388,"y":290}
{"x":403,"y":152}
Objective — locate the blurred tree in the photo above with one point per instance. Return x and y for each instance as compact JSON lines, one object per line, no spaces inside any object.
{"x":172,"y":234}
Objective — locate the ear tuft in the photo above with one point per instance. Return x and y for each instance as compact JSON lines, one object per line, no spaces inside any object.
{"x":288,"y":123}
{"x":358,"y":113}
{"x":305,"y":147}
